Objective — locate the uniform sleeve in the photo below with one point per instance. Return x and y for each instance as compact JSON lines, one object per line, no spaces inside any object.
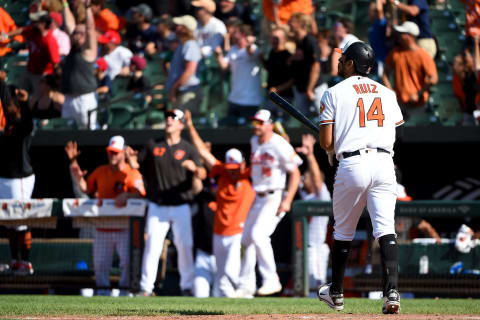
{"x":289,"y":159}
{"x":92,"y":178}
{"x":326,"y":109}
{"x":135,"y":183}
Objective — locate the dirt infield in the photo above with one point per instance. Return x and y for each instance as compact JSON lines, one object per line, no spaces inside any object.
{"x":272,"y":317}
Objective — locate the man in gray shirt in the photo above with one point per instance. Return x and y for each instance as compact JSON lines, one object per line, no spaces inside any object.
{"x":183,"y":85}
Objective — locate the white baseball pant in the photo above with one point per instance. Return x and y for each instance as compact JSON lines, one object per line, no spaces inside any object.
{"x":205,"y":270}
{"x":259,"y":226}
{"x":318,"y":251}
{"x":104,"y":246}
{"x":18,"y":189}
{"x":159,"y":219}
{"x":227,"y":254}
{"x":367,"y":179}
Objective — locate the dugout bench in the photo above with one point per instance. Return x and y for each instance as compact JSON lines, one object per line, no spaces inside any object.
{"x":438,"y":282}
{"x":67,"y":263}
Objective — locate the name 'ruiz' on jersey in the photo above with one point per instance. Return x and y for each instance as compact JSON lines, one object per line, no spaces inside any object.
{"x":364,"y":114}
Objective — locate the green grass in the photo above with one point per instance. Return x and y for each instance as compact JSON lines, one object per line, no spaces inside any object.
{"x":35,"y":305}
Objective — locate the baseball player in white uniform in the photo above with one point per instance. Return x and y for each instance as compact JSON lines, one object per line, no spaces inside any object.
{"x":312,"y":187}
{"x":358,"y":118}
{"x":272,"y":157}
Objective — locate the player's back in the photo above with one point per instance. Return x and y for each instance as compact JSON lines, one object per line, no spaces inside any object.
{"x":364,"y":113}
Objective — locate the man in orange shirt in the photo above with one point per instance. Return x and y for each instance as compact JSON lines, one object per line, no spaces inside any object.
{"x":414,"y":73}
{"x":113,"y":180}
{"x":104,"y":18}
{"x":7,"y":25}
{"x":235,"y":196}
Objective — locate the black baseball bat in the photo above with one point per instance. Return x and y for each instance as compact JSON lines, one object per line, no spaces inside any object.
{"x":291,"y":110}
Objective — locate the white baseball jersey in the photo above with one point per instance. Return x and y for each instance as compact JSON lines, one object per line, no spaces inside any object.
{"x":364,"y":113}
{"x":270,"y":163}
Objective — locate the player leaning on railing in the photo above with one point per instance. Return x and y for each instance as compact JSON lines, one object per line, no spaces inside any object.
{"x":114,"y":180}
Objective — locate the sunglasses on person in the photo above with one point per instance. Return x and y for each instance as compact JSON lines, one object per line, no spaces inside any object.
{"x":172,"y":115}
{"x":257,"y":123}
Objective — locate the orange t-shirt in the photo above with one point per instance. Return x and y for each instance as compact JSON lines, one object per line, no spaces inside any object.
{"x":234,"y":199}
{"x":6,"y":25}
{"x":107,"y":20}
{"x":109,"y":184}
{"x":410,"y":67}
{"x":286,"y":9}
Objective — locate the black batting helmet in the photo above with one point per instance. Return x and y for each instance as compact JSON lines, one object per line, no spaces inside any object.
{"x":362,"y":55}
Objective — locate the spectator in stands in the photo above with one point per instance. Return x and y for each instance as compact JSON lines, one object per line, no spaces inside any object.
{"x":414,"y":72}
{"x":138,"y":82}
{"x":377,"y":33}
{"x":115,"y":180}
{"x":243,"y":60}
{"x":166,"y":35}
{"x":17,"y":178}
{"x":104,"y":83}
{"x":78,"y":71}
{"x":325,"y":43}
{"x":43,"y":51}
{"x":210,"y":30}
{"x":63,"y":40}
{"x":231,"y":24}
{"x":141,"y":33}
{"x":234,"y":197}
{"x":343,"y":34}
{"x":472,"y":19}
{"x":105,"y":19}
{"x":173,"y":174}
{"x":279,"y":69}
{"x":47,"y":101}
{"x":278,"y":13}
{"x":117,"y":56}
{"x":465,"y":82}
{"x":305,"y":63}
{"x":7,"y":25}
{"x":232,"y":8}
{"x":418,"y":11}
{"x":312,"y":187}
{"x":183,"y":84}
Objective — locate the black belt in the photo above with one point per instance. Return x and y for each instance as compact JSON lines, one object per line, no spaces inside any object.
{"x":357,"y":153}
{"x":263,"y":194}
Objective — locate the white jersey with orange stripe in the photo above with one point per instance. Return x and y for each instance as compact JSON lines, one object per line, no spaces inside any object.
{"x":364,"y":114}
{"x":270,"y":163}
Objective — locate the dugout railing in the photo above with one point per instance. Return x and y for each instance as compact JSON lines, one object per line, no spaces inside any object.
{"x":66,"y":263}
{"x":440,"y":280}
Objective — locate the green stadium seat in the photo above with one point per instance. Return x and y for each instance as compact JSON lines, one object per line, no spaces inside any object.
{"x":56,"y":124}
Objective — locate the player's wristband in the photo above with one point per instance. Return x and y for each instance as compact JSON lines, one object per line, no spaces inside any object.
{"x":65,"y":4}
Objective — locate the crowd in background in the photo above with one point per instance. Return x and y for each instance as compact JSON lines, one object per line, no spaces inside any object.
{"x":281,"y":50}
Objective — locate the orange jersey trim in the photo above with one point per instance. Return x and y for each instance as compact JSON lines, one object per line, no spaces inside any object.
{"x":326,"y":122}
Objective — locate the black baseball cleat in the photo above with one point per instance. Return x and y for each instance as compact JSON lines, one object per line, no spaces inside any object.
{"x":391,"y":304}
{"x":334,"y":301}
